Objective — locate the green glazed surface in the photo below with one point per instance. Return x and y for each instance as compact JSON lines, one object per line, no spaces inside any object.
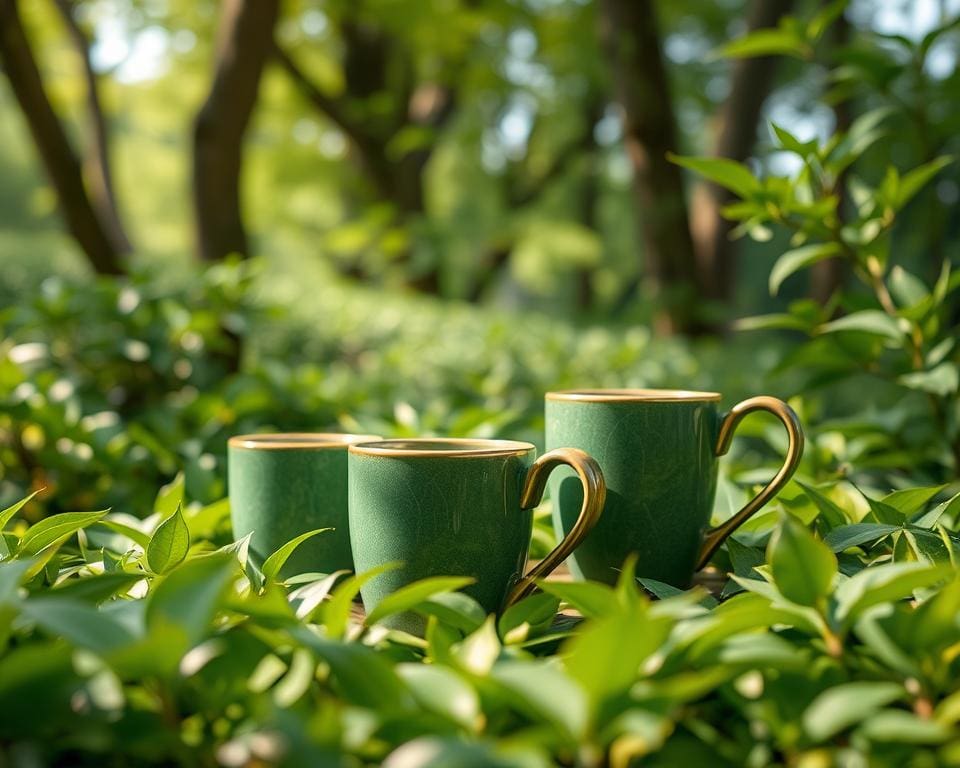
{"x":277,"y":494}
{"x":440,"y":516}
{"x":661,"y":472}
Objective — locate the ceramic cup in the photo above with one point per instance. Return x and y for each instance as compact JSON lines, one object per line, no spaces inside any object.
{"x":658,"y":450}
{"x":451,"y":507}
{"x":282,"y":485}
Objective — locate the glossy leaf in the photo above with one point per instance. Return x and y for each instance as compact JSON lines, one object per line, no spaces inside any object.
{"x":803,"y":567}
{"x":169,"y":544}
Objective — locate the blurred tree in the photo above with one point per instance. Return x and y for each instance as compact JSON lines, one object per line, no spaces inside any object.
{"x":87,"y":203}
{"x":244,"y":42}
{"x":751,"y":81}
{"x":631,"y":39}
{"x":388,"y":110}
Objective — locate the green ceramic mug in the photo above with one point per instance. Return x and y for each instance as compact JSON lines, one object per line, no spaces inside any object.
{"x":456,"y":507}
{"x":658,"y":450}
{"x":282,"y":485}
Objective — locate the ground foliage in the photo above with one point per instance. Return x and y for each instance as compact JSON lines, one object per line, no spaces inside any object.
{"x":143,"y":634}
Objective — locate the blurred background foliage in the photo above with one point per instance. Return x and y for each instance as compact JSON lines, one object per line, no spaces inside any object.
{"x":416,"y":216}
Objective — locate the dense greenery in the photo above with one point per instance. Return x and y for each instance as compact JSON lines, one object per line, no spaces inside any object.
{"x":150,"y":640}
{"x":826,"y":631}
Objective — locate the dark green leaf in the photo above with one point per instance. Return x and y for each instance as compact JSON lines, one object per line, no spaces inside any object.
{"x":856,"y":535}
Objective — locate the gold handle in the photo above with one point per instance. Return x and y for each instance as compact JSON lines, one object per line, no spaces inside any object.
{"x":594,"y":494}
{"x":716,"y":536}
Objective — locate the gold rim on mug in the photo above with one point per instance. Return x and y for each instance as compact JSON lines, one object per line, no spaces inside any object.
{"x":433,"y":447}
{"x":279,"y":441}
{"x":632,"y":396}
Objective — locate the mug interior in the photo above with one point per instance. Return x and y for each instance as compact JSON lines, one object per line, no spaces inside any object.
{"x":441,"y":446}
{"x":632,"y":395}
{"x":297,"y":440}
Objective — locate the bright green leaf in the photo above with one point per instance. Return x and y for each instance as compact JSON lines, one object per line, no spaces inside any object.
{"x":802,"y":566}
{"x":169,"y":544}
{"x":273,"y":564}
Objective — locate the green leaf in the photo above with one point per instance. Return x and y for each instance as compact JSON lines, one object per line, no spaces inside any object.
{"x":918,"y":178}
{"x":80,"y":624}
{"x":873,"y":321}
{"x":53,"y":531}
{"x":532,"y":613}
{"x":273,"y":564}
{"x":885,"y":584}
{"x":135,"y":535}
{"x":901,"y":727}
{"x":822,"y":20}
{"x":188,"y":596}
{"x":930,"y":519}
{"x":943,"y":380}
{"x":791,"y":143}
{"x":454,"y":609}
{"x":442,"y":691}
{"x":727,"y":173}
{"x":909,"y":501}
{"x":480,"y":650}
{"x":336,"y":613}
{"x":802,"y":566}
{"x":907,"y":289}
{"x":544,"y":692}
{"x":856,"y":535}
{"x":363,"y":677}
{"x":797,"y":259}
{"x":588,"y":597}
{"x":10,"y":511}
{"x":169,"y":544}
{"x":837,"y":708}
{"x":170,"y":498}
{"x":829,"y":510}
{"x":95,"y":589}
{"x":598,"y":658}
{"x":773,"y":322}
{"x":411,"y":595}
{"x":663,"y":591}
{"x":778,"y":41}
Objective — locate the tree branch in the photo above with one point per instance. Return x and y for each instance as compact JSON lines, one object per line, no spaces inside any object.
{"x":97,"y":157}
{"x":60,"y":160}
{"x":750,"y":83}
{"x":630,"y":37}
{"x":368,"y":151}
{"x":245,"y":40}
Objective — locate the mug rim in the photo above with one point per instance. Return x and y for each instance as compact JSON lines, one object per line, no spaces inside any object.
{"x":279,"y":441}
{"x":447,"y":447}
{"x":632,"y":396}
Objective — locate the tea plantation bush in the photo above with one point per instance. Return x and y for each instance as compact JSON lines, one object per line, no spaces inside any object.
{"x":143,"y":634}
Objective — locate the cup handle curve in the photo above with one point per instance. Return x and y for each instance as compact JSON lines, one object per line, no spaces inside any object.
{"x":594,"y":495}
{"x":716,"y":536}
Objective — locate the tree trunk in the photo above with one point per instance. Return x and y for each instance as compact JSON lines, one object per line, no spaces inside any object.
{"x":751,"y":82}
{"x":61,"y":162}
{"x":826,"y":277}
{"x":245,"y":40}
{"x":96,"y":161}
{"x":629,"y":35}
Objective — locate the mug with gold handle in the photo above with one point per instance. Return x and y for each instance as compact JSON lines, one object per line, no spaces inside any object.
{"x":658,"y":450}
{"x":459,"y":507}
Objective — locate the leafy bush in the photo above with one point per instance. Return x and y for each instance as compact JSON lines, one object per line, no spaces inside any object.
{"x":150,"y":641}
{"x":108,"y":389}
